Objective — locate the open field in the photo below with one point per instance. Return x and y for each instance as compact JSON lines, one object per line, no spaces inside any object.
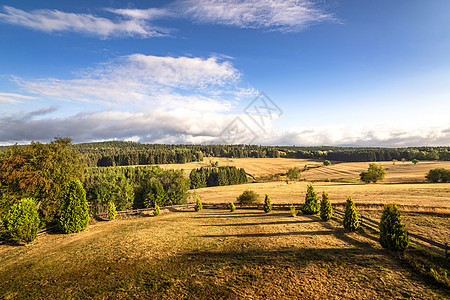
{"x":425,"y":207}
{"x":405,"y":172}
{"x":212,"y":254}
{"x":427,"y":196}
{"x":255,"y":166}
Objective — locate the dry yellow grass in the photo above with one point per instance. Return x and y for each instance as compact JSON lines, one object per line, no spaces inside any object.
{"x":213,"y":254}
{"x":423,"y":195}
{"x":400,"y":172}
{"x":254,"y":166}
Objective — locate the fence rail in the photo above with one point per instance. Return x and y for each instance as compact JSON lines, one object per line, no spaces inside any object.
{"x":411,"y":236}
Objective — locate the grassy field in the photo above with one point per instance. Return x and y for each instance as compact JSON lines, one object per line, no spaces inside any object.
{"x":426,"y":207}
{"x":405,"y":172}
{"x":426,"y":196}
{"x":257,"y":167}
{"x":214,"y":254}
{"x":399,"y":172}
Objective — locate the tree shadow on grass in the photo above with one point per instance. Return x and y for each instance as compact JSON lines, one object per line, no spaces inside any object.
{"x":259,"y":223}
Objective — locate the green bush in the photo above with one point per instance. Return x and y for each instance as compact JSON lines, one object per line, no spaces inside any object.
{"x":292,"y":210}
{"x":232,"y":206}
{"x":326,"y":211}
{"x":156,"y":210}
{"x":112,"y":212}
{"x":327,"y":163}
{"x":23,"y":221}
{"x":248,"y":197}
{"x":74,"y":215}
{"x":393,"y":234}
{"x":198,"y":205}
{"x":351,"y":221}
{"x":312,"y":205}
{"x":267,"y":204}
{"x":438,"y":175}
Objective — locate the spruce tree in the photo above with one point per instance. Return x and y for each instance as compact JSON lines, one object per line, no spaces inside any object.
{"x":112,"y":212}
{"x":198,"y":205}
{"x":267,"y":204}
{"x":156,"y":210}
{"x":326,"y":211}
{"x":232,"y":206}
{"x":351,"y":221}
{"x":393,"y":234}
{"x":312,"y":205}
{"x":74,"y":215}
{"x":23,"y":221}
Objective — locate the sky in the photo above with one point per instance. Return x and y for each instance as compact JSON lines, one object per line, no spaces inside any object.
{"x":269,"y":72}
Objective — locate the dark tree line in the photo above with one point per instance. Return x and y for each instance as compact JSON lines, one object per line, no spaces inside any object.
{"x":227,"y":175}
{"x":115,"y":153}
{"x":350,"y":154}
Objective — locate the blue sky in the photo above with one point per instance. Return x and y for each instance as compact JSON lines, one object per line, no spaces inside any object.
{"x":358,"y":73}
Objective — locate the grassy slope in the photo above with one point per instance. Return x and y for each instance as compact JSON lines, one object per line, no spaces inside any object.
{"x":254,"y":166}
{"x":405,"y":172}
{"x":211,"y":254}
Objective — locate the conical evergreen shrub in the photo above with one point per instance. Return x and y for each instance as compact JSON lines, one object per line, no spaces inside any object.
{"x":198,"y":205}
{"x":312,"y":205}
{"x":293,"y":211}
{"x":156,"y":210}
{"x":232,"y":206}
{"x":326,"y":211}
{"x":112,"y":212}
{"x":74,"y":213}
{"x":351,"y":221}
{"x":23,"y":221}
{"x":267,"y":204}
{"x":393,"y":234}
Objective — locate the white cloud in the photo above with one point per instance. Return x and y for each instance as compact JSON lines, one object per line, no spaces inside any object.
{"x":147,"y":14}
{"x":281,"y":15}
{"x":370,"y":135}
{"x":13,"y":98}
{"x":184,"y":125}
{"x":149,"y":80}
{"x":56,"y":21}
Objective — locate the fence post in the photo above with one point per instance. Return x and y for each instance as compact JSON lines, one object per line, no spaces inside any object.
{"x":446,"y":250}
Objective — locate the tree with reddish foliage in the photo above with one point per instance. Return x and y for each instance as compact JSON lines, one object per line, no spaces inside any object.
{"x":39,"y":171}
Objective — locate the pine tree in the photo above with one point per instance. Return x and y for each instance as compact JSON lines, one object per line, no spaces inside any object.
{"x":393,"y":234}
{"x":74,"y":215}
{"x":198,"y":205}
{"x":232,"y":206}
{"x":326,"y":211}
{"x":312,"y":205}
{"x":351,"y":221}
{"x":23,"y":221}
{"x":112,"y":212}
{"x":267,"y":204}
{"x":156,"y":210}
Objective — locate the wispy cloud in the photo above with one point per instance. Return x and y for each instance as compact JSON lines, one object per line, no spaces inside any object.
{"x":58,"y":21}
{"x":280,"y":15}
{"x":13,"y":98}
{"x":140,"y":79}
